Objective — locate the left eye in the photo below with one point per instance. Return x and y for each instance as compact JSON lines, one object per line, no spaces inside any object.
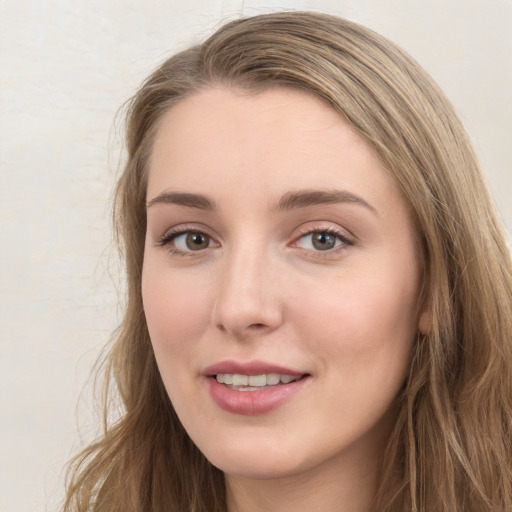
{"x":192,"y":241}
{"x":320,"y":241}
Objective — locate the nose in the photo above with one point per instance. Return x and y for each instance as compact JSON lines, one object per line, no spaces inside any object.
{"x":248,"y":301}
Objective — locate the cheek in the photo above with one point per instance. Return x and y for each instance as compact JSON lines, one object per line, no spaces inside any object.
{"x":364,"y":333}
{"x":177,"y":310}
{"x":364,"y":318}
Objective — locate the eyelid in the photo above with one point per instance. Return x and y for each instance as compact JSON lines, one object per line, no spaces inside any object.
{"x":325,"y":226}
{"x":167,"y":238}
{"x":343,"y":235}
{"x":347,"y":239}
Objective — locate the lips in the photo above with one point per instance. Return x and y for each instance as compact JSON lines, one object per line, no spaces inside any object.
{"x":249,"y":368}
{"x":252,"y":388}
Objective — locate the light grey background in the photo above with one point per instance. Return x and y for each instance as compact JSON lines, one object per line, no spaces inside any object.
{"x":66,"y":67}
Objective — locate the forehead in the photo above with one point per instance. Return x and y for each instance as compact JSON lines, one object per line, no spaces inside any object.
{"x":222,"y":140}
{"x":279,"y":117}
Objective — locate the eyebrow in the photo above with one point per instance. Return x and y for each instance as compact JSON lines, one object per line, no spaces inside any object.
{"x":305,"y":198}
{"x":184,"y":199}
{"x":289,"y":201}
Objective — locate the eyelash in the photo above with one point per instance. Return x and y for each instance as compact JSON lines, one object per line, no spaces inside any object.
{"x":169,"y":237}
{"x":345,"y":241}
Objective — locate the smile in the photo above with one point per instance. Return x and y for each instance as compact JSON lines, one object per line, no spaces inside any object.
{"x":253,"y":388}
{"x":239,"y":382}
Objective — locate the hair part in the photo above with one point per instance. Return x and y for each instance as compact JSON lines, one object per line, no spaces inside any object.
{"x":451,"y":445}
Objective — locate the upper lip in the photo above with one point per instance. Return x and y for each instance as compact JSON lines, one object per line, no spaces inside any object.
{"x":248,"y":368}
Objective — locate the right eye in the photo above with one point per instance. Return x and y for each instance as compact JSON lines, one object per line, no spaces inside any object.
{"x":187,"y":241}
{"x":192,"y":241}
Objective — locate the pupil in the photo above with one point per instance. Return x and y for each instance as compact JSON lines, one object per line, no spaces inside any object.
{"x":197,"y":241}
{"x":323,"y":241}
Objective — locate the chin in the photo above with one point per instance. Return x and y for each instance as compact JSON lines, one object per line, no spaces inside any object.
{"x":261,"y":460}
{"x":256,"y":468}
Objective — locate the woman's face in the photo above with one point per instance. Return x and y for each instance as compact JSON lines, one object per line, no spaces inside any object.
{"x":280,"y":283}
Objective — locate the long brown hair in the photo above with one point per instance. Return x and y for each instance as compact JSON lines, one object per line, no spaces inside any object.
{"x":451,"y":447}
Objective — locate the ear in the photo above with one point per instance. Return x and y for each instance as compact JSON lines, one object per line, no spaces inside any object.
{"x":425,"y":319}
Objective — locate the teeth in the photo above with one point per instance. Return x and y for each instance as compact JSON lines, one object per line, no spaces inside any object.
{"x":273,"y":379}
{"x":254,"y":381}
{"x":240,"y":380}
{"x":257,"y":380}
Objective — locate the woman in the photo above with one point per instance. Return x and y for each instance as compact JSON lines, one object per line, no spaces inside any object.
{"x":319,"y":297}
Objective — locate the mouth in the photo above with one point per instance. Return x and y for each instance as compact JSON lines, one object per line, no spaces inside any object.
{"x":253,"y":388}
{"x":240,"y":382}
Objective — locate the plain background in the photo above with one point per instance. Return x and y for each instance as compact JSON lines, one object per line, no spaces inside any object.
{"x":66,"y":68}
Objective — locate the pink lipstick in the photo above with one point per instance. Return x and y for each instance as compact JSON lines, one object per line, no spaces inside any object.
{"x":252,"y":388}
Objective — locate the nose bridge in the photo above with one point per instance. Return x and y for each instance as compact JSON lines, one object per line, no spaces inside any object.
{"x":247,"y":298}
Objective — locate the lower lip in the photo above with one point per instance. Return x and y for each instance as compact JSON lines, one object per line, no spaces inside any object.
{"x":251,"y":403}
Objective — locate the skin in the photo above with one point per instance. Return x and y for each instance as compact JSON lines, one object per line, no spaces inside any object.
{"x":346,"y":316}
